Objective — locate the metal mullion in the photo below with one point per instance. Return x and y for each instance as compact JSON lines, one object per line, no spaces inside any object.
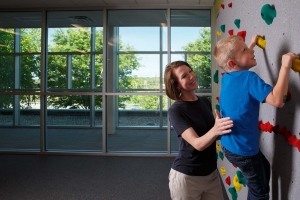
{"x":16,"y":103}
{"x":104,"y":65}
{"x":92,"y":77}
{"x":169,"y":60}
{"x":43,"y":85}
{"x":160,"y":76}
{"x":69,"y":71}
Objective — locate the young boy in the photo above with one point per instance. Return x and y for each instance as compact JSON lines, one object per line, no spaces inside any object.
{"x":242,"y":91}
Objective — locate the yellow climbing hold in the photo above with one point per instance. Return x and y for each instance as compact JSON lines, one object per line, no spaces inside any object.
{"x":236,"y":183}
{"x":223,"y":170}
{"x":296,"y":65}
{"x":261,"y":42}
{"x":218,"y":147}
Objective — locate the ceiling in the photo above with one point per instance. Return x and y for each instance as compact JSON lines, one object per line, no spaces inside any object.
{"x":46,"y":4}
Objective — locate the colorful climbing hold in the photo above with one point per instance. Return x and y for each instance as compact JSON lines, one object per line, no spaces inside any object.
{"x":230,"y":32}
{"x":233,"y":193}
{"x":228,"y":180}
{"x":230,"y":5}
{"x":237,"y":22}
{"x":216,"y":76}
{"x":223,"y":170}
{"x":218,"y":107}
{"x":221,"y":155}
{"x":296,"y":65}
{"x":242,"y":34}
{"x":242,"y":179}
{"x":222,"y":27}
{"x":236,"y":183}
{"x":261,"y":42}
{"x":219,"y":33}
{"x":222,"y":6}
{"x":218,"y":147}
{"x":268,"y":13}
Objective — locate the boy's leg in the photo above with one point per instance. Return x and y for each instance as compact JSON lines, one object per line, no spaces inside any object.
{"x":256,"y":170}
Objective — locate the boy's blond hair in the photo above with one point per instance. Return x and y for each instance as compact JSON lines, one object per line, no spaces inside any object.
{"x":224,"y":50}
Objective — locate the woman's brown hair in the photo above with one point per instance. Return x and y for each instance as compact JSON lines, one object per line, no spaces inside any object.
{"x":171,"y":81}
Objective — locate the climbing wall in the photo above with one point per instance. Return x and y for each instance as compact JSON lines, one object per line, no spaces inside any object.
{"x":279,"y":22}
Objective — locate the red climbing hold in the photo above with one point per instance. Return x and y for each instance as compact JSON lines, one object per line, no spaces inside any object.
{"x":242,"y":34}
{"x":230,"y":32}
{"x":228,"y":180}
{"x":222,"y":5}
{"x":230,"y":5}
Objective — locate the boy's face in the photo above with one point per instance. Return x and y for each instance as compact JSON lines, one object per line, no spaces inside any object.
{"x":244,"y":57}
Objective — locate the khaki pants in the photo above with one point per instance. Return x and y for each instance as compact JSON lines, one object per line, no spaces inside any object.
{"x":185,"y":187}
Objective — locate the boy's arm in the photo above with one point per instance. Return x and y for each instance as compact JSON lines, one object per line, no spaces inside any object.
{"x":277,"y":96}
{"x":253,"y":41}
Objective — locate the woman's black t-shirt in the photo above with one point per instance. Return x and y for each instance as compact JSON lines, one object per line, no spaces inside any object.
{"x":198,"y":115}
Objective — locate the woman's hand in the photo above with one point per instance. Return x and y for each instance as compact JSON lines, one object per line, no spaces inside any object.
{"x":222,"y":125}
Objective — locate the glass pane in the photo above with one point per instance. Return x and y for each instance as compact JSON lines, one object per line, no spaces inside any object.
{"x":201,"y":65}
{"x":6,"y":72}
{"x":186,"y":26}
{"x":30,"y":39}
{"x":73,"y":116}
{"x":30,"y":110}
{"x":74,"y":139}
{"x":68,"y":110}
{"x":57,"y":71}
{"x":80,"y":71}
{"x":135,"y":48}
{"x":73,"y":110}
{"x":6,"y":40}
{"x":140,"y":38}
{"x":138,"y":117}
{"x":30,"y":72}
{"x":20,"y":139}
{"x":145,"y":78}
{"x":194,"y":46}
{"x":75,"y":46}
{"x":6,"y":110}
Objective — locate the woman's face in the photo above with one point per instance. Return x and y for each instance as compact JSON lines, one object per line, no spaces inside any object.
{"x":186,"y":78}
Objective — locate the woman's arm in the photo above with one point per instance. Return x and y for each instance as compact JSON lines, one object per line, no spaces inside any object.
{"x":222,"y":126}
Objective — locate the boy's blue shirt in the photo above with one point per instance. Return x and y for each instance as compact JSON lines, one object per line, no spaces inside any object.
{"x":240,"y":98}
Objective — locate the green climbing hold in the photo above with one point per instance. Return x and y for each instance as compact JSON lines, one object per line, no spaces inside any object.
{"x":237,"y":22}
{"x":268,"y":13}
{"x":233,"y":193}
{"x":241,"y":178}
{"x":216,"y":77}
{"x":222,"y":27}
{"x":218,"y":107}
{"x":221,"y":155}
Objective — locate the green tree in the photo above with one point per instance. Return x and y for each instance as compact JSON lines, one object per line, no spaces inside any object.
{"x":76,"y":41}
{"x":29,"y":65}
{"x":201,"y":63}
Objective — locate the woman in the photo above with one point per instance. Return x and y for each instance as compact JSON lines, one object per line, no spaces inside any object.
{"x":194,"y":173}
